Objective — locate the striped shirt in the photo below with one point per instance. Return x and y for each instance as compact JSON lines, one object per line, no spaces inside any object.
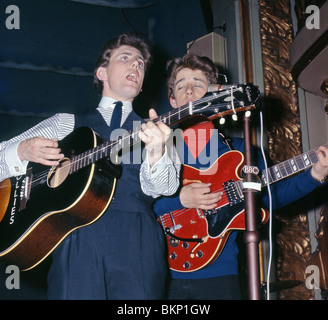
{"x":161,"y":179}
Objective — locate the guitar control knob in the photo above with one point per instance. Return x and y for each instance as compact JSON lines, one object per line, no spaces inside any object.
{"x":173,"y":255}
{"x":199,"y":254}
{"x":185,"y":245}
{"x":173,"y":242}
{"x":186,"y":265}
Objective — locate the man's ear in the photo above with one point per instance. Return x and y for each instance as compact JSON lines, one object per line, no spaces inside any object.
{"x":101,"y":74}
{"x":173,"y":102}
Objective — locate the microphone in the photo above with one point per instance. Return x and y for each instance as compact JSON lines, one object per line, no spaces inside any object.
{"x":218,"y":87}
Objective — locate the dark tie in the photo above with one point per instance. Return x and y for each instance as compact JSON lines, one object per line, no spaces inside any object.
{"x":115,"y":121}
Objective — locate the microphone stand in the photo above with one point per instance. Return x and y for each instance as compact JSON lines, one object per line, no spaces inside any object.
{"x":251,"y":236}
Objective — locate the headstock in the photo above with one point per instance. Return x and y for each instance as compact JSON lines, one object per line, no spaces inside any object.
{"x":229,"y":100}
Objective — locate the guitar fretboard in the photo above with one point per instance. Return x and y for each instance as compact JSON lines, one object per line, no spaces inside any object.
{"x":127,"y":140}
{"x":289,"y":167}
{"x":130,"y":138}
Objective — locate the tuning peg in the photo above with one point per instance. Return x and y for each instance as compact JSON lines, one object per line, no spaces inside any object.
{"x":234,"y":117}
{"x":222,"y":120}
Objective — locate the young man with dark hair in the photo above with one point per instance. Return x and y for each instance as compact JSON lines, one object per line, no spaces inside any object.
{"x":122,"y":254}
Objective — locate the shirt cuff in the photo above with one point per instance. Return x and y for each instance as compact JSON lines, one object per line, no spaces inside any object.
{"x":156,"y":168}
{"x":15,"y":165}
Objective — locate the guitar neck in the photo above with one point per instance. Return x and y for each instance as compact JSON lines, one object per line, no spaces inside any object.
{"x":289,"y":167}
{"x":127,"y":140}
{"x":209,"y":106}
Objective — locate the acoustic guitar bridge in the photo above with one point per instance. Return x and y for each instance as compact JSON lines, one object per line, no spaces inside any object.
{"x":25,"y":189}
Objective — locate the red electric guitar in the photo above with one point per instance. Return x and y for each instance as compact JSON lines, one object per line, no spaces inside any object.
{"x":197,"y":237}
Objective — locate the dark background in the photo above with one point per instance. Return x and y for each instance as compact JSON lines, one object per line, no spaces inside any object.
{"x":47,"y":65}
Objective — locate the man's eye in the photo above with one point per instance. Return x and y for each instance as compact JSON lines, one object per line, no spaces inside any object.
{"x":124,"y":58}
{"x":141,"y":64}
{"x":199,"y":84}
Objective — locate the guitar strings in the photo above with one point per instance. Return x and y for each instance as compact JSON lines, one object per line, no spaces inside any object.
{"x":288,"y":167}
{"x":223,"y":201}
{"x":101,"y":148}
{"x":184,"y":110}
{"x":286,"y":164}
{"x":107,"y":145}
{"x":111,"y":144}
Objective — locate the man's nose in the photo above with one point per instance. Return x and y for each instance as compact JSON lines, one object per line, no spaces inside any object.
{"x":190,"y":89}
{"x":135,"y":63}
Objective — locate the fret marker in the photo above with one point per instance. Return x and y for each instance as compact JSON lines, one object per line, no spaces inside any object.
{"x":293,"y":165}
{"x":306,"y":160}
{"x":277,"y":172}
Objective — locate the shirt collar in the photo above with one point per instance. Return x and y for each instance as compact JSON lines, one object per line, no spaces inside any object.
{"x":107,"y":102}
